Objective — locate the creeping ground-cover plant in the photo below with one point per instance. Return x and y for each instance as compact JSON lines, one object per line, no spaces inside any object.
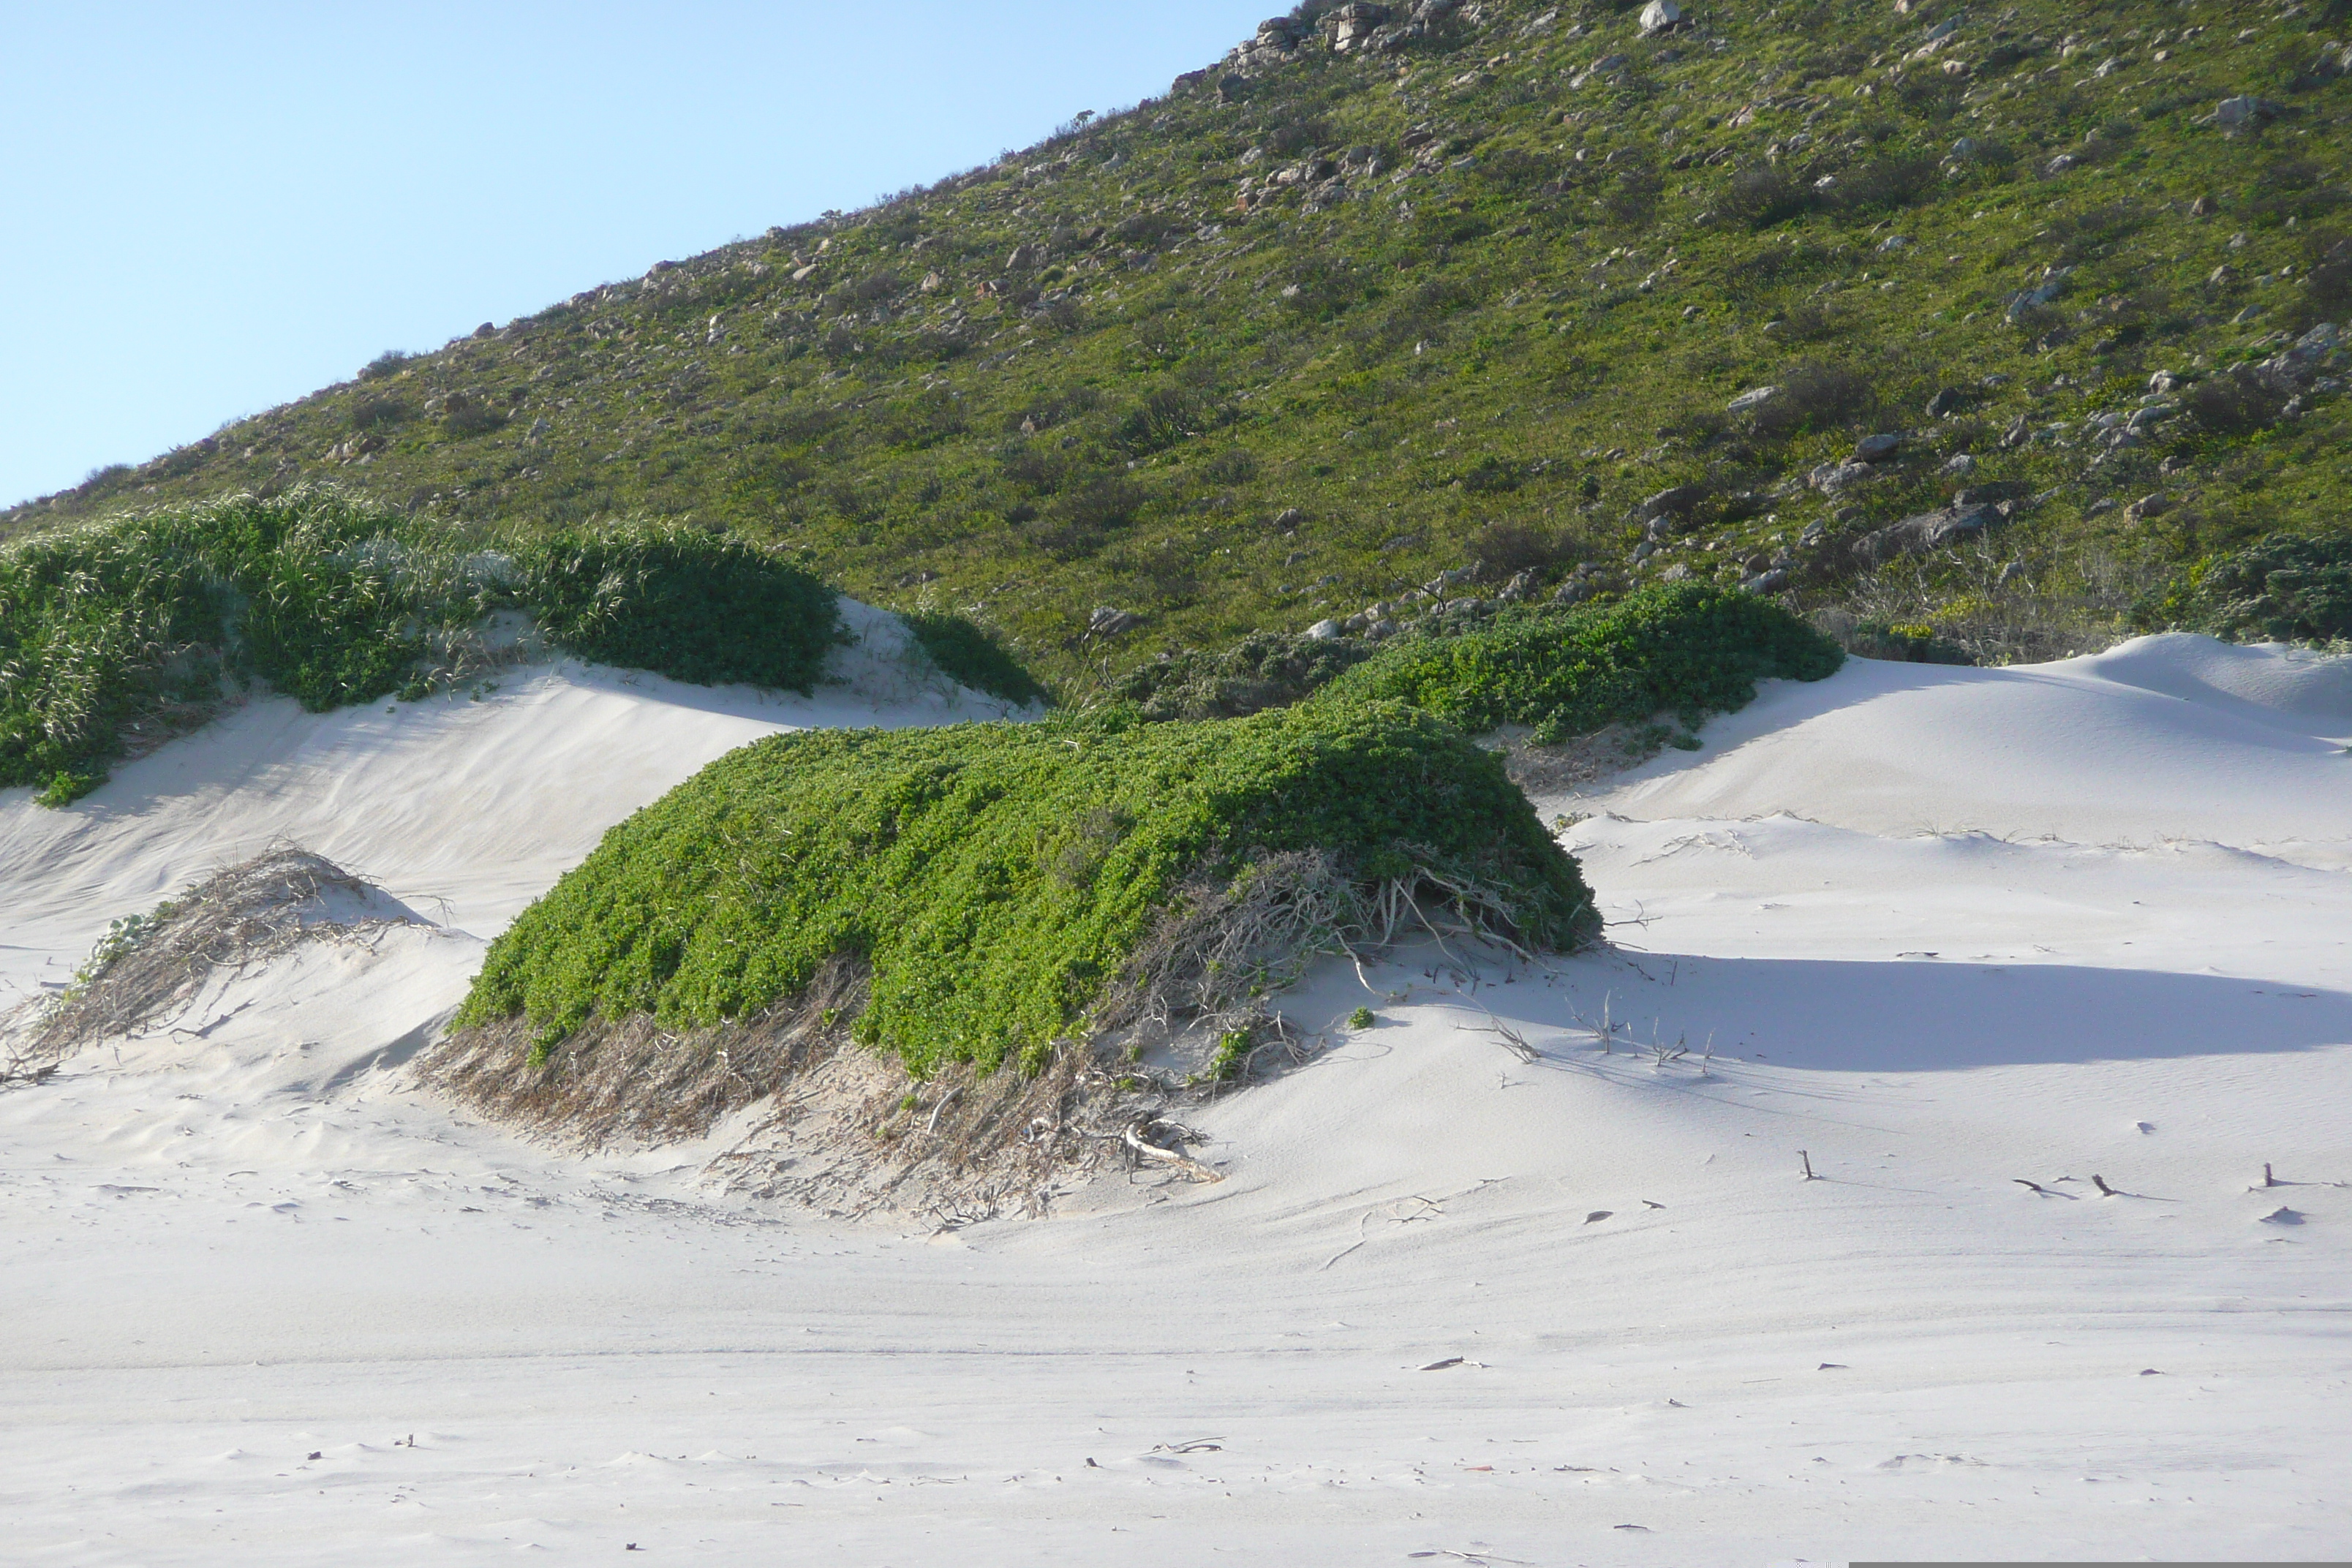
{"x":1685,"y":648}
{"x":995,"y":880}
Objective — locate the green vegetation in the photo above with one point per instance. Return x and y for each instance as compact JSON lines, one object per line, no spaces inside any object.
{"x":1265,"y":669}
{"x":1299,"y":336}
{"x":2287,"y":589}
{"x":1682,"y":648}
{"x":127,"y":629}
{"x":696,"y":606}
{"x":1000,"y":881}
{"x":966,"y":652}
{"x":1362,"y":1018}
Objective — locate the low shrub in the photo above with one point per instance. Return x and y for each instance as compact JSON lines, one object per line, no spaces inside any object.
{"x":1816,"y":395}
{"x":136,"y":620}
{"x":966,"y":652}
{"x":1265,"y":669}
{"x":1005,"y":887}
{"x":1686,"y":648}
{"x":1763,"y":195}
{"x":1903,"y":642}
{"x":2290,"y":587}
{"x":2234,"y":404}
{"x":682,"y":602}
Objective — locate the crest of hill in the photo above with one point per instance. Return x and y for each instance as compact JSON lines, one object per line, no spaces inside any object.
{"x":2001,"y":324}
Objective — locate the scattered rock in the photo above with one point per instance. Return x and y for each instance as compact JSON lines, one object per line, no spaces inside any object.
{"x":2052,"y":284}
{"x":2148,"y":506}
{"x":2238,"y":113}
{"x":1927,"y":531}
{"x":1352,"y":26}
{"x":1107,"y":621}
{"x":1326,"y":631}
{"x":1752,"y":399}
{"x":1960,"y":464}
{"x":1026,"y":258}
{"x":1830,"y":477}
{"x":2203,"y":207}
{"x":1660,"y":16}
{"x":1946,"y":402}
{"x":486,"y":331}
{"x":1289,"y":517}
{"x":1877,"y":448}
{"x":1672,"y":502}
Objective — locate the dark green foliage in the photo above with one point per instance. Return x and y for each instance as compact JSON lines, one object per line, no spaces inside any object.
{"x":322,"y":596}
{"x":1265,"y":669}
{"x":2234,"y":404}
{"x":1763,"y":195}
{"x":2290,"y":587}
{"x":1816,"y":396}
{"x":685,"y":602}
{"x":1903,"y":644}
{"x":1682,"y":648}
{"x":966,"y":652}
{"x":333,"y":599}
{"x":996,"y":878}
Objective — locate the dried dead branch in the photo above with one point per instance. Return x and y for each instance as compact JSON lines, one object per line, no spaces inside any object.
{"x":149,"y":966}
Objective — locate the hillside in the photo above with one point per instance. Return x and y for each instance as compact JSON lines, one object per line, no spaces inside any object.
{"x":2041,"y":295}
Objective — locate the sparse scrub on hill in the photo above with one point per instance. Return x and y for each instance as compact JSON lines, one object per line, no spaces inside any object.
{"x":1005,"y":888}
{"x":116,"y":634}
{"x":1685,"y":649}
{"x":1506,"y":266}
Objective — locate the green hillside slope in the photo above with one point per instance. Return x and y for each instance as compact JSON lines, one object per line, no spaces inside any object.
{"x":1488,"y":300}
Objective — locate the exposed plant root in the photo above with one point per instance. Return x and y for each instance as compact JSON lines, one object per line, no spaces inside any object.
{"x":633,"y":1078}
{"x":852,"y":1133}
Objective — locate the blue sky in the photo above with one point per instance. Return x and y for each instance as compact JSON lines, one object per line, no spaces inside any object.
{"x":215,"y":209}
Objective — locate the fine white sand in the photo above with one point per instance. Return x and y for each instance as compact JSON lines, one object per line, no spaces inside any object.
{"x":1945,"y":929}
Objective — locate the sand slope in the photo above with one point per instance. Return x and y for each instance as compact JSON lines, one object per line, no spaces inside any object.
{"x":1945,"y":930}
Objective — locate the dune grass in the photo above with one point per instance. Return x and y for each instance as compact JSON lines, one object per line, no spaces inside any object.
{"x":137,"y":624}
{"x":1003,"y":882}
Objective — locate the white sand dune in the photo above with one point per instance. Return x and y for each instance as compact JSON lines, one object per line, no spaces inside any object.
{"x":1945,"y":929}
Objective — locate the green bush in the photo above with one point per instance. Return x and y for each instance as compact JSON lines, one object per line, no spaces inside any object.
{"x":965,"y":652}
{"x":2290,"y":587}
{"x":325,"y":597}
{"x":333,"y":599}
{"x":1683,"y":648}
{"x":1265,"y":669}
{"x":691,"y":605}
{"x":997,"y":877}
{"x":1904,"y":643}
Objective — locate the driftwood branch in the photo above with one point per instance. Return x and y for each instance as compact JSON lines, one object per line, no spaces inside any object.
{"x":1170,"y":1157}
